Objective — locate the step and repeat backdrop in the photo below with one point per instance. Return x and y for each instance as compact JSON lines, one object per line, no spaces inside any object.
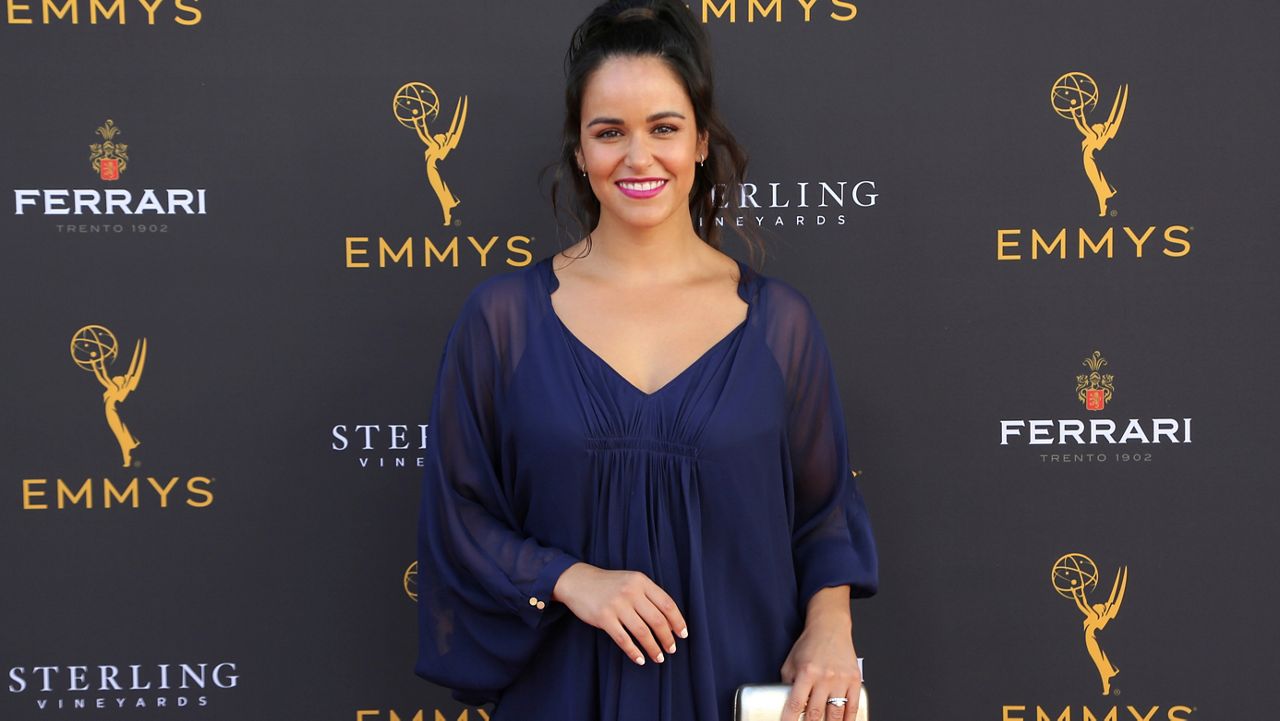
{"x":1040,"y":238}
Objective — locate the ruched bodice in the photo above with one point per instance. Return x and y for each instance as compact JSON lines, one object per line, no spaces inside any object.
{"x":729,"y":486}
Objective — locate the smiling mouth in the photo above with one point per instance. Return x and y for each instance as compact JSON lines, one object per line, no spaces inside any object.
{"x":641,"y":189}
{"x":641,"y":185}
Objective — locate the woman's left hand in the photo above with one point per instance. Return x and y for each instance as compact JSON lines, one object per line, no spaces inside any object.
{"x":823,"y":664}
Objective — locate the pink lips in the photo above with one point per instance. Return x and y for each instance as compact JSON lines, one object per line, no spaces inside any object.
{"x":638,"y":193}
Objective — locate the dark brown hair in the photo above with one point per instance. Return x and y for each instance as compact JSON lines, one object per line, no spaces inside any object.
{"x":668,"y":30}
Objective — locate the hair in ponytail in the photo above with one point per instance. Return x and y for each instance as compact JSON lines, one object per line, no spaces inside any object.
{"x":668,"y":30}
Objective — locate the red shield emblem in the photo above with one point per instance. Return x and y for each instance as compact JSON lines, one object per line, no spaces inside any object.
{"x":109,"y":169}
{"x":1094,"y":399}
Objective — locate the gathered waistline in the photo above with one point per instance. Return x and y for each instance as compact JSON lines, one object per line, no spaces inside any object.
{"x":645,"y":444}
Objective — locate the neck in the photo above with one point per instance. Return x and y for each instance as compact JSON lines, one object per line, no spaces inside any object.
{"x":647,"y":253}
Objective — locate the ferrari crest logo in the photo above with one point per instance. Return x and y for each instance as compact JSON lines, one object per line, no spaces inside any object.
{"x":1095,"y":389}
{"x":108,"y":158}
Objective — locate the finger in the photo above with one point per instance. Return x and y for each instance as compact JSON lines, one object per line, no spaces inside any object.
{"x":817,"y":707}
{"x":788,"y":672}
{"x":640,"y":631}
{"x":848,"y":710}
{"x":854,"y":694}
{"x":658,"y":624}
{"x":669,"y":610}
{"x":620,"y":637}
{"x":797,"y":700}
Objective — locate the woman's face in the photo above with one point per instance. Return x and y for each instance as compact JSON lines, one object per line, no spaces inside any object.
{"x":639,"y":142}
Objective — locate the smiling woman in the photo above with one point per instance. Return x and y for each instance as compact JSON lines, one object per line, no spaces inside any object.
{"x":660,"y":49}
{"x":629,"y":154}
{"x":637,"y":452}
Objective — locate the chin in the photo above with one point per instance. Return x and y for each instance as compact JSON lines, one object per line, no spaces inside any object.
{"x":644,"y":222}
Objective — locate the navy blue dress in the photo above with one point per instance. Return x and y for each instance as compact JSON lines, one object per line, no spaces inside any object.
{"x":730,"y":487}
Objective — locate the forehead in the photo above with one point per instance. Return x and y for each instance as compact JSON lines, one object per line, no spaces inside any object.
{"x":633,"y":85}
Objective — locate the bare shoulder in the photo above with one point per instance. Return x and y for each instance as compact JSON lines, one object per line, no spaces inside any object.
{"x":729,"y":266}
{"x":567,"y":260}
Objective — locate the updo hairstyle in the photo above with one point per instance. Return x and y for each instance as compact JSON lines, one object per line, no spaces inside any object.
{"x":666,"y":29}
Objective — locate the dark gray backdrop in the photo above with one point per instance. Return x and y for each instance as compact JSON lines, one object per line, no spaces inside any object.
{"x":261,"y":340}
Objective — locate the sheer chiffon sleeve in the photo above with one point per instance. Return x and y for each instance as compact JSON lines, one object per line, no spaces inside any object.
{"x":832,"y":540}
{"x":484,"y":599}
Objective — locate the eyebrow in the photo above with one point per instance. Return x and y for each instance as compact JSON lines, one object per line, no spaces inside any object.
{"x":650,"y":119}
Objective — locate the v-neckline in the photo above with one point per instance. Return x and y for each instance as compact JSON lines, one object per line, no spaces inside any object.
{"x":553,"y":283}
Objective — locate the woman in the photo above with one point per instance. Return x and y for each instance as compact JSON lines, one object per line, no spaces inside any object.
{"x":638,"y":494}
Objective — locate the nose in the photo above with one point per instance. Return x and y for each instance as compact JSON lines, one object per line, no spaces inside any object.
{"x":638,"y":153}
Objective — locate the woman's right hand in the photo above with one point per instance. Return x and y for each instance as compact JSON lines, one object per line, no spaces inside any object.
{"x":620,"y":601}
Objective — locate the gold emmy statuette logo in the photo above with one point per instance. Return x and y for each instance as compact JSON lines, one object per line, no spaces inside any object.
{"x":1073,"y":96}
{"x":1095,"y":389}
{"x":1074,"y":575}
{"x":92,"y":348}
{"x":108,"y":158}
{"x":415,"y":105}
{"x":410,"y":580}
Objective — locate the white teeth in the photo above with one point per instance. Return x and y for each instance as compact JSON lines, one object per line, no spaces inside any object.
{"x":647,"y":185}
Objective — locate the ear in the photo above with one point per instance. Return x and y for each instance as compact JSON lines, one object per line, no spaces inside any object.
{"x":577,"y":156}
{"x":703,"y":144}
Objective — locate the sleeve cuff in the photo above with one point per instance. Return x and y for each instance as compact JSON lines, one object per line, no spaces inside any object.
{"x":834,"y":563}
{"x":538,"y":609}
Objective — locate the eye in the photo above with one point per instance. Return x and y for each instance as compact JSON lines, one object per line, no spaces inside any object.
{"x":665,"y":129}
{"x":608,"y":133}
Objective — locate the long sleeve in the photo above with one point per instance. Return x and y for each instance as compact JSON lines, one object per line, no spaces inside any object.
{"x":832,"y":540}
{"x":484,"y":588}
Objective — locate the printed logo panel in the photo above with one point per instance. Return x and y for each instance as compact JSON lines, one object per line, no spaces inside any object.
{"x":122,"y":687}
{"x":109,"y":210}
{"x":777,"y":11}
{"x":1075,"y":575}
{"x":1077,"y":97}
{"x":92,"y":14}
{"x":416,"y":105}
{"x":1098,"y":597}
{"x":1096,"y":439}
{"x":96,"y":352}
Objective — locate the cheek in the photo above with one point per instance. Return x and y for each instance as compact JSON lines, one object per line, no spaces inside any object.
{"x":685,"y":163}
{"x":601,"y":160}
{"x":686,"y":156}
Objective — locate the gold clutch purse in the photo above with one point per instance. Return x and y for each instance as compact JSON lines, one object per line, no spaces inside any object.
{"x":764,"y":702}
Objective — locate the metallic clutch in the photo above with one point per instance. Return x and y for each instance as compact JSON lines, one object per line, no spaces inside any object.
{"x":764,"y":702}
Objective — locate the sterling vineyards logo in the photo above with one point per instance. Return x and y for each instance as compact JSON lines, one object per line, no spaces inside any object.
{"x":128,"y":686}
{"x":801,"y":204}
{"x":1093,"y":439}
{"x":381,"y":445}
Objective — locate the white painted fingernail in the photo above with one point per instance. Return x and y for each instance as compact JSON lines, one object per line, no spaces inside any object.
{"x":661,"y":658}
{"x":684,"y":633}
{"x":672,"y":649}
{"x":640,"y":660}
